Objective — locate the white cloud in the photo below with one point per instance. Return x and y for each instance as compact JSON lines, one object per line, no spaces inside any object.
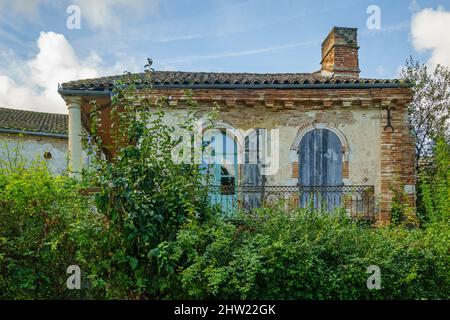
{"x":57,"y":62}
{"x":430,"y":31}
{"x":110,"y":13}
{"x":22,"y":97}
{"x":32,"y":84}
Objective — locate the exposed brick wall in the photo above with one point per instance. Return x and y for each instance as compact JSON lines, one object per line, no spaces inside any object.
{"x":342,"y":60}
{"x":397,"y":158}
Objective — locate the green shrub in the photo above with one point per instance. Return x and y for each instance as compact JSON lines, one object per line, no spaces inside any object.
{"x":273,"y":254}
{"x":402,"y":214}
{"x":46,"y":225}
{"x":434,"y":185}
{"x":306,"y":255}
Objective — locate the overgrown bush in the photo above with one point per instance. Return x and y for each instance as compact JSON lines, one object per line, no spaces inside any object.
{"x":46,"y":226}
{"x":145,"y":192}
{"x":307,"y":255}
{"x":434,"y":185}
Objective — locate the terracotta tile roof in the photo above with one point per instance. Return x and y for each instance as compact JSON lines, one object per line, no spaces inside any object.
{"x":215,"y":79}
{"x":32,"y":121}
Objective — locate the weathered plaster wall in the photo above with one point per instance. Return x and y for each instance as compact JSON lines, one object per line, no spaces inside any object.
{"x":31,"y":148}
{"x":359,"y":129}
{"x":374,"y":154}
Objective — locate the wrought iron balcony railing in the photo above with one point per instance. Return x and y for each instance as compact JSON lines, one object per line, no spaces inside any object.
{"x":358,"y":201}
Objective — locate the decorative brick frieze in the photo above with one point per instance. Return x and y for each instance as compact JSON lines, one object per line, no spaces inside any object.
{"x":327,"y":103}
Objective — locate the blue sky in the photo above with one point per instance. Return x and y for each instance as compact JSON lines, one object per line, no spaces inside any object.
{"x":37,"y":50}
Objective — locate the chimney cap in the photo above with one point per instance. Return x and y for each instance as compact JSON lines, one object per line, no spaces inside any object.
{"x":343,"y":36}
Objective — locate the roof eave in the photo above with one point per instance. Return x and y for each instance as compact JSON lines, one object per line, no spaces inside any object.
{"x":34,"y":133}
{"x":72,"y":91}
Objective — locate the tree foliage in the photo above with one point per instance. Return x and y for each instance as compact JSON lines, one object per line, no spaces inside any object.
{"x":434,"y":185}
{"x":429,"y":111}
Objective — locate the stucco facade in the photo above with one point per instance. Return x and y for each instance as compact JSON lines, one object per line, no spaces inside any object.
{"x":53,"y":151}
{"x":31,"y":135}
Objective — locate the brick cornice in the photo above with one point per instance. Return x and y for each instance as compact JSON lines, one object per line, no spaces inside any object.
{"x":279,"y":99}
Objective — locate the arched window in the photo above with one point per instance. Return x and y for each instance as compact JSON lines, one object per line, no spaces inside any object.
{"x":220,"y":156}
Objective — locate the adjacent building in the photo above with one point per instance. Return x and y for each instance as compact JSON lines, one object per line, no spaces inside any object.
{"x":29,"y":135}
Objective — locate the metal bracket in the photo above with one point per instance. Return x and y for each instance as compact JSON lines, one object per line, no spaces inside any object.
{"x":389,"y":118}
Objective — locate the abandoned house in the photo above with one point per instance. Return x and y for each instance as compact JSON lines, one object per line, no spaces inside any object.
{"x":29,"y":135}
{"x":344,"y":141}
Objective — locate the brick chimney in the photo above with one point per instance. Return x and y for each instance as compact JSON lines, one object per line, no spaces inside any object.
{"x":340,"y":53}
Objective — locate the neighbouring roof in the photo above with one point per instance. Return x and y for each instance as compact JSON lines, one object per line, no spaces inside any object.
{"x":177,"y":79}
{"x":32,"y":122}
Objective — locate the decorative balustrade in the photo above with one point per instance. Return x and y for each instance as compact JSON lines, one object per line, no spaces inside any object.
{"x":358,"y":201}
